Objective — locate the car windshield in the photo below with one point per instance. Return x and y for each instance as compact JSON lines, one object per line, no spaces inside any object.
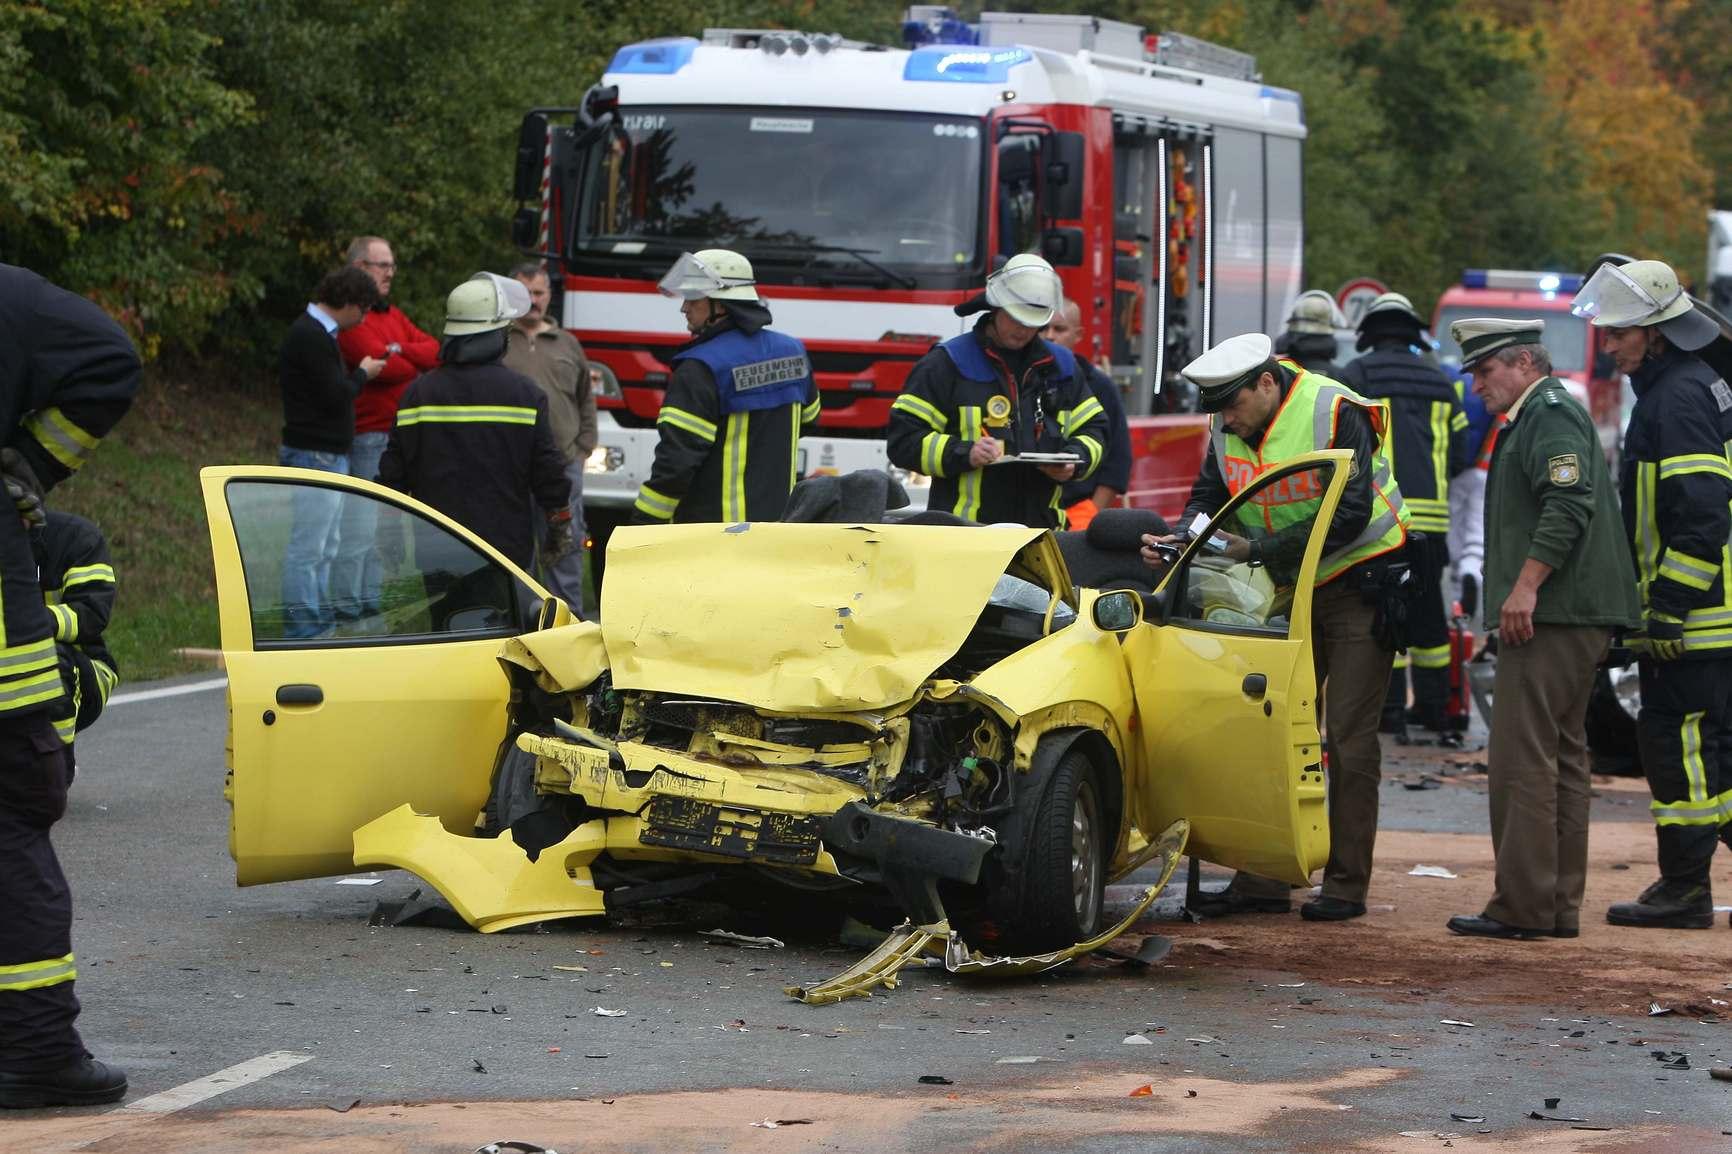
{"x":811,"y":195}
{"x":1566,"y":336}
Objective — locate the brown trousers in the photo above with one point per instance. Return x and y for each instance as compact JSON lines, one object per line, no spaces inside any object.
{"x":1353,"y":676}
{"x":1538,"y":767}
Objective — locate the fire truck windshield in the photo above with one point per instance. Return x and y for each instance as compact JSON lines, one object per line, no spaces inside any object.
{"x":811,"y":196}
{"x":1566,"y":335}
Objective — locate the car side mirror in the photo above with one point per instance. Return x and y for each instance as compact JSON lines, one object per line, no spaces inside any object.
{"x":553,"y":612}
{"x":531,"y":148}
{"x":1062,"y":247}
{"x":1064,"y":175}
{"x":1118,"y":611}
{"x":526,"y":229}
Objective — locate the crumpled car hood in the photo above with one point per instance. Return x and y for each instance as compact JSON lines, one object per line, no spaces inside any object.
{"x":796,"y":617}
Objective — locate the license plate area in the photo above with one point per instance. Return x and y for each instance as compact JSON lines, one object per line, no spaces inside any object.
{"x":756,"y":835}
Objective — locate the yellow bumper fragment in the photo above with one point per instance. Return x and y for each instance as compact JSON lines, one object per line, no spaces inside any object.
{"x":878,"y":968}
{"x":489,"y":881}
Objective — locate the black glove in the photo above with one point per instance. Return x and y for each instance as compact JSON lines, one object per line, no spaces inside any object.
{"x":23,"y":487}
{"x":561,"y":538}
{"x":1469,"y":594}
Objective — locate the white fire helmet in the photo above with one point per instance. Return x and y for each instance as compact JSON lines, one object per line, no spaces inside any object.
{"x":1028,"y":289}
{"x":717,"y":273}
{"x":1640,"y":294}
{"x":483,"y":303}
{"x":1315,"y":311}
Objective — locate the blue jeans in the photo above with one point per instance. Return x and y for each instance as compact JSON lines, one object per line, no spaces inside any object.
{"x":312,"y":545}
{"x":356,"y":574}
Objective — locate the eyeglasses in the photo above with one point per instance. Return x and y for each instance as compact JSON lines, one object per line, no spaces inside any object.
{"x":387,"y":265}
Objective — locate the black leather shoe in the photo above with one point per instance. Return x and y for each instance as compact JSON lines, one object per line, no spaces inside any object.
{"x":1479,"y":926}
{"x":1327,"y":909}
{"x":1669,"y":905}
{"x":86,"y":1082}
{"x":1224,"y":903}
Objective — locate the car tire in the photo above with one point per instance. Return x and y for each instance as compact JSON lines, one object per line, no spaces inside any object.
{"x":1615,"y":701}
{"x":1064,"y":871}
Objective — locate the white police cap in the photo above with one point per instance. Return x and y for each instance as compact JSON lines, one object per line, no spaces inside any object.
{"x":1225,"y":369}
{"x":1479,"y":337}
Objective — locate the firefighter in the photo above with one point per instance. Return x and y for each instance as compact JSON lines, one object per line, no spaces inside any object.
{"x":1428,"y":439}
{"x":67,"y":374}
{"x":1676,"y":486}
{"x":1558,"y":581}
{"x":473,"y":439}
{"x":999,"y":391}
{"x":1268,"y":412}
{"x":77,"y":581}
{"x":740,"y":394}
{"x":1309,"y":340}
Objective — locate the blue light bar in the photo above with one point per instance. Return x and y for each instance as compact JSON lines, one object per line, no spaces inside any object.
{"x":1513,"y":280}
{"x":654,"y":57}
{"x":964,"y":65}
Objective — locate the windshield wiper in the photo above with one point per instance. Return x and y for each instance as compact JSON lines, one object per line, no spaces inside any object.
{"x":860,"y":256}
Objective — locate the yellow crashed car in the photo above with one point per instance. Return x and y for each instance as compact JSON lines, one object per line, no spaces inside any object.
{"x":935,"y":711}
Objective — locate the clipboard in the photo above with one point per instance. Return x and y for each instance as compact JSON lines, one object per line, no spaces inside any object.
{"x":1038,"y":459}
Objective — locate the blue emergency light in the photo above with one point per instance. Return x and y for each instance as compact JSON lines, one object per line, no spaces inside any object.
{"x":959,"y":64}
{"x":1521,"y":281}
{"x":940,"y":26}
{"x":654,"y":57}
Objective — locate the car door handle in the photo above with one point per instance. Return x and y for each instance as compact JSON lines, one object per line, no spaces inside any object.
{"x":300,"y":695}
{"x":1254,"y":686}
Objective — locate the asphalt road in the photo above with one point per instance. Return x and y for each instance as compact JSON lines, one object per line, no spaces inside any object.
{"x":183,"y":974}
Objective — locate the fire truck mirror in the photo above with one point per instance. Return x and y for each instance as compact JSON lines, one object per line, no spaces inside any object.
{"x":531,"y":149}
{"x":1062,"y":246}
{"x":1016,"y":156}
{"x":526,"y":228}
{"x":1064,"y":175}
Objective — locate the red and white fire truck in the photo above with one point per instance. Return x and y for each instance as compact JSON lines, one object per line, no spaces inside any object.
{"x":873,"y":188}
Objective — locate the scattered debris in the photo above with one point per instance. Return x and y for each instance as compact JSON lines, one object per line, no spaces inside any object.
{"x":573,"y":969}
{"x":1438,"y":1134}
{"x":1467,"y":1117}
{"x":514,"y":1147}
{"x":1538,"y":1117}
{"x":1656,"y":1010}
{"x":602,"y":1012}
{"x":359,"y":881}
{"x":774,"y":1123}
{"x":475,"y":1064}
{"x":1137,"y":1040}
{"x":1023,"y":1060}
{"x":1720,"y":1074}
{"x":1146,"y":1090}
{"x":1203,"y":1040}
{"x":1193,"y":1094}
{"x":1453,"y":1022}
{"x":1423,"y":781}
{"x":934,"y":1080}
{"x":970,"y":1031}
{"x":1671,"y":1059}
{"x":745,"y":941}
{"x":347,"y":1105}
{"x":1430,"y":871}
{"x":1588,"y":1126}
{"x":1292,"y":985}
{"x":1552,"y":1103}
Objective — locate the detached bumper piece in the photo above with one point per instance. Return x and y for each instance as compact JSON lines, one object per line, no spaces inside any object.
{"x":911,"y":857}
{"x":908,"y":941}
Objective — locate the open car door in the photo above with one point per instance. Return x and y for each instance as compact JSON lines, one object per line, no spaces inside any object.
{"x":1225,"y":687}
{"x":360,"y":679}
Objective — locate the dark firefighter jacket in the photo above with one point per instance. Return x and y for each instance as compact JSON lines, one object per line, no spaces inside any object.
{"x":67,"y":375}
{"x":474,"y":442}
{"x":1428,"y":428}
{"x":730,"y":424}
{"x":1676,"y":484}
{"x":947,"y":405}
{"x":1313,"y":352}
{"x":78,"y":585}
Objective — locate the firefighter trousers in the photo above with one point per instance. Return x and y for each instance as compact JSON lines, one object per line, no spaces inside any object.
{"x":1685,"y":736}
{"x":1428,"y":652}
{"x":37,"y":1002}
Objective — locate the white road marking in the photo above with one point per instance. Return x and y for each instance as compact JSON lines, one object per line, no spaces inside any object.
{"x":199,"y":1089}
{"x":168,"y":691}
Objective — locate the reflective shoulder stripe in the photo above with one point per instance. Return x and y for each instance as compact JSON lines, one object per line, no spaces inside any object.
{"x":1080,"y":416}
{"x":467,"y":415}
{"x":63,"y":440}
{"x":811,"y":411}
{"x":921,"y":409}
{"x":1458,"y":422}
{"x":34,"y":975}
{"x":687,"y":421}
{"x":653,"y":504}
{"x":1695,"y":463}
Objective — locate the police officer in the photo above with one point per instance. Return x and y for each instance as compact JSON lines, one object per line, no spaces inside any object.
{"x":1559,"y":580}
{"x":1001,"y":390}
{"x":740,"y":394}
{"x":1676,"y":485}
{"x":1428,"y":439}
{"x":473,"y":438}
{"x":1309,"y":340}
{"x":67,"y":374}
{"x":1269,"y":412}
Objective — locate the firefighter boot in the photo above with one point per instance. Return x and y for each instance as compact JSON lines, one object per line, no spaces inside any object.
{"x":1667,"y":904}
{"x":87,"y":1082}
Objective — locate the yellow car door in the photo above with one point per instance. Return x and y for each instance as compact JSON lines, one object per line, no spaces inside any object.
{"x":359,"y":678}
{"x":1225,"y":688}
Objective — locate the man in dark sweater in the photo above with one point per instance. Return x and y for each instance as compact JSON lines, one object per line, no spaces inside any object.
{"x":318,"y":425}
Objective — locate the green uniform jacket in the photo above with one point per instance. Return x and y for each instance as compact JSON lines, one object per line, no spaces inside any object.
{"x":1549,"y":497}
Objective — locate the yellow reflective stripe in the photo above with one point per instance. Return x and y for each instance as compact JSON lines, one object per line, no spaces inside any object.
{"x":1687,"y":570}
{"x":1459,"y":421}
{"x":20,"y":659}
{"x":810,"y":412}
{"x":687,"y":422}
{"x":85,"y":575}
{"x":1647,"y":526}
{"x":794,"y":447}
{"x":1094,"y":451}
{"x":1429,"y":656}
{"x":653,"y":504}
{"x":65,"y":622}
{"x":32,"y":690}
{"x":106,"y":678}
{"x":32,"y":975}
{"x":968,"y":485}
{"x":66,"y":728}
{"x":734,"y":467}
{"x":1427,"y":504}
{"x":1695,"y":463}
{"x":932,"y":447}
{"x":1073,"y":419}
{"x":1402,"y":661}
{"x":921,"y":409}
{"x":64,"y":441}
{"x":1440,"y":414}
{"x":466,"y":415}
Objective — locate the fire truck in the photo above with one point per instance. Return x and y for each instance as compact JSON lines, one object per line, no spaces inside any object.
{"x":875,"y":187}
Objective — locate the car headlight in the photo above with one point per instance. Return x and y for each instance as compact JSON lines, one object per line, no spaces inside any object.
{"x":604,"y":459}
{"x":603,"y":382}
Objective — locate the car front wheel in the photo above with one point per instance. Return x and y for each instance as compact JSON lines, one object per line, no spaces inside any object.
{"x":1064,"y":876}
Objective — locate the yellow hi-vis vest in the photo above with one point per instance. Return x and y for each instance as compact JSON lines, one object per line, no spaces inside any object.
{"x":1304,"y":423}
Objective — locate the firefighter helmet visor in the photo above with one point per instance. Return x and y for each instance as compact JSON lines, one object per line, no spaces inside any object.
{"x":714,"y":273}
